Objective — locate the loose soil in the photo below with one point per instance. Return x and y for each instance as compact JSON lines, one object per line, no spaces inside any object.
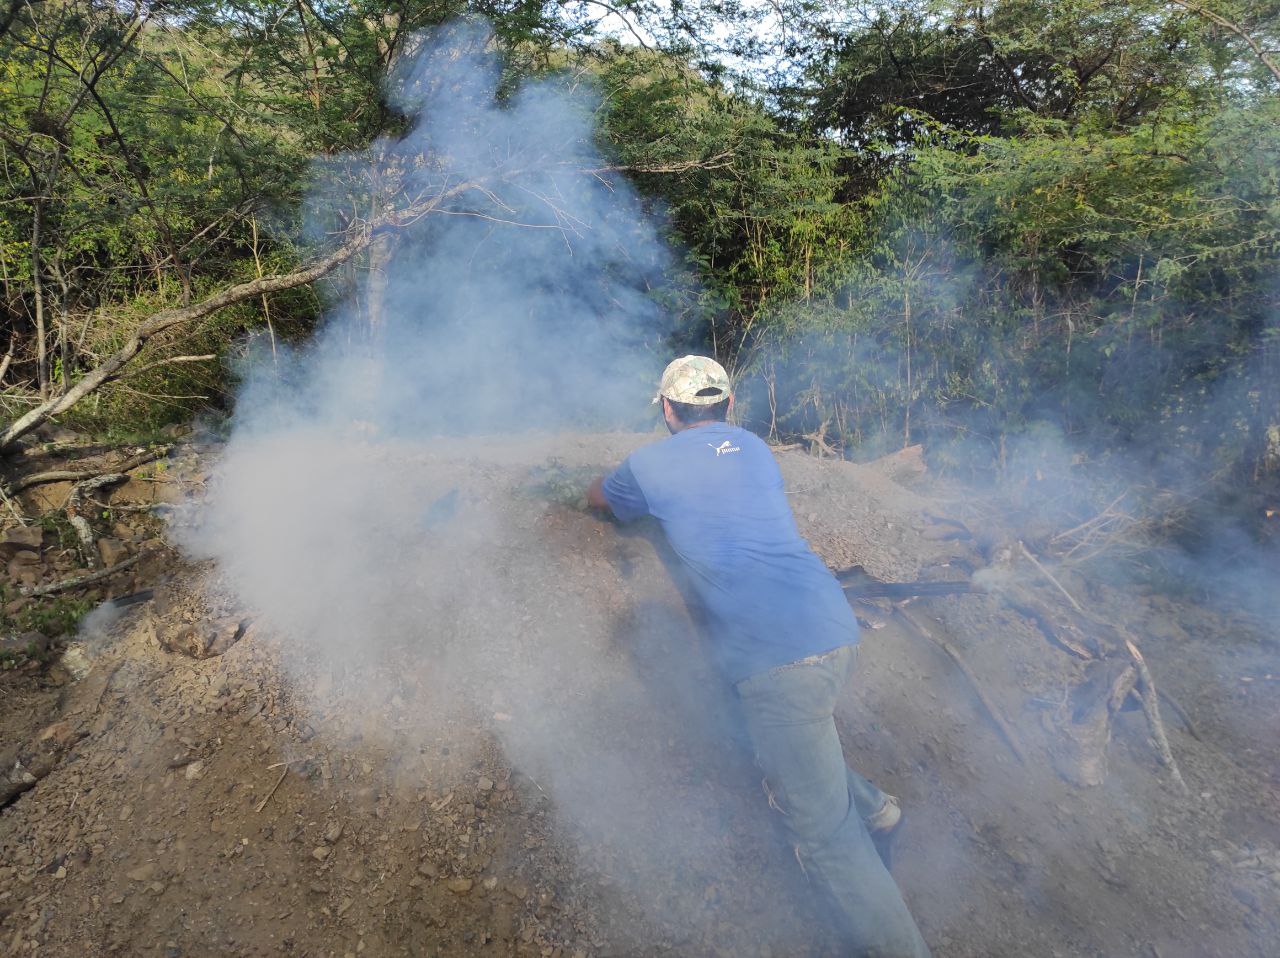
{"x":505,"y":737}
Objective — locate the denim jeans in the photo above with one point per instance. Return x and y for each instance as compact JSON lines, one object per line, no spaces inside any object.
{"x":788,"y":713}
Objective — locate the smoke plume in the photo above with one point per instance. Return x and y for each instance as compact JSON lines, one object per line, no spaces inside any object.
{"x":374,"y":502}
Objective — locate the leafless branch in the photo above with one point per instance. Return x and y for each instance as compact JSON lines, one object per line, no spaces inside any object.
{"x":177,"y":359}
{"x":8,"y":358}
{"x":717,"y":162}
{"x":620,"y":15}
{"x":67,"y":475}
{"x":78,"y":581}
{"x":1216,"y":18}
{"x":357,"y":239}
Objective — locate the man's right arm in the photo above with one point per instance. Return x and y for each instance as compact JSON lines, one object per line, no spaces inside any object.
{"x":595,"y":496}
{"x":619,"y":493}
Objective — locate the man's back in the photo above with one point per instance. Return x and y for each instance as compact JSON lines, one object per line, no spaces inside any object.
{"x":717,"y":491}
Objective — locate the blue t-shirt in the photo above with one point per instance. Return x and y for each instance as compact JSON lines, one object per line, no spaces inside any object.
{"x":717,"y":491}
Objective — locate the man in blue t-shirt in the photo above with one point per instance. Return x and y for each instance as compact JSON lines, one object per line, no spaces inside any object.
{"x":784,"y":635}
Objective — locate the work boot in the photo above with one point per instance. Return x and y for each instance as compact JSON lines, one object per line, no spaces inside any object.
{"x":882,"y":826}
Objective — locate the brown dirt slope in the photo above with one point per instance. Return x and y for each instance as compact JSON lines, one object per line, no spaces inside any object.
{"x":513,"y":743}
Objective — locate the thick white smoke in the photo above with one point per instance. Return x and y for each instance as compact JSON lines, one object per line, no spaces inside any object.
{"x":369,"y":502}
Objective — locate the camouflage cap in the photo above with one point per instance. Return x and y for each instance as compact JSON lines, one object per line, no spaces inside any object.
{"x":696,"y":380}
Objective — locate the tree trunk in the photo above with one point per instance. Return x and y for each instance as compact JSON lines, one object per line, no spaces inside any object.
{"x":37,"y":291}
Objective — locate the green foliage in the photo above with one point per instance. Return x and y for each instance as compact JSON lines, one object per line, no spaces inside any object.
{"x":55,"y":616}
{"x":990,"y":226}
{"x":52,"y":616}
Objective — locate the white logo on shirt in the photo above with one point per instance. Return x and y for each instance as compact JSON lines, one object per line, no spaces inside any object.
{"x":725,"y":448}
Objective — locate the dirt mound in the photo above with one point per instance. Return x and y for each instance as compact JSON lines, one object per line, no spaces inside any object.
{"x":511,"y":742}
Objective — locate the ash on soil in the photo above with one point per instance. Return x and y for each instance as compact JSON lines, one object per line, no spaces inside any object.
{"x":514,"y":744}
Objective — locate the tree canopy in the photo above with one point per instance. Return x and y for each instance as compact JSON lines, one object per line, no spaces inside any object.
{"x":975,"y":225}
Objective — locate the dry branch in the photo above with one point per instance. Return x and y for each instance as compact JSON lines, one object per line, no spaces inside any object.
{"x":357,"y":239}
{"x":1183,"y":716}
{"x":1151,"y":706}
{"x":263,"y":804}
{"x":67,"y":475}
{"x":1049,"y":575}
{"x":1066,"y":634}
{"x":1233,"y":27}
{"x":82,"y":580}
{"x":8,"y":358}
{"x":75,"y":511}
{"x":993,"y":711}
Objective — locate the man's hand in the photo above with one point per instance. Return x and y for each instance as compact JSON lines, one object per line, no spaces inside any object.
{"x":595,"y":496}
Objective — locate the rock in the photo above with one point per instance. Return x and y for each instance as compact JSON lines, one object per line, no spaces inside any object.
{"x":61,"y":734}
{"x":23,"y":565}
{"x":15,"y":778}
{"x":28,"y":643}
{"x":27,"y":576}
{"x":48,"y":497}
{"x":333,"y":833}
{"x":428,"y":869}
{"x":203,"y":640}
{"x":76,"y":661}
{"x":194,"y":771}
{"x":459,"y":886}
{"x":321,"y":852}
{"x":112,"y":551}
{"x":504,"y":923}
{"x":144,"y":872}
{"x":135,"y":491}
{"x":485,"y":784}
{"x":21,"y":539}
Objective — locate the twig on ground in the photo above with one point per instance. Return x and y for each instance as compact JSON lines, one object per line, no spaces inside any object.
{"x":22,"y":520}
{"x":283,"y":772}
{"x":77,"y":581}
{"x":106,"y":685}
{"x":296,"y":761}
{"x":1179,"y":711}
{"x":1151,"y":706}
{"x":1006,"y":731}
{"x":1049,"y":575}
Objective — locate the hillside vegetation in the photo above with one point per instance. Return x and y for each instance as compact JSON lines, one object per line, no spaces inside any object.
{"x":1040,"y":238}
